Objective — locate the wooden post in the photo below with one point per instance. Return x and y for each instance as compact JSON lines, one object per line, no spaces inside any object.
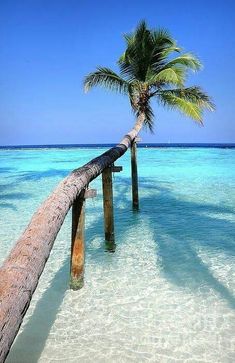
{"x":134,"y":176}
{"x":77,"y":243}
{"x":107,"y":183}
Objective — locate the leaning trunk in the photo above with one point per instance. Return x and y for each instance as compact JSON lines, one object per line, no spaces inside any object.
{"x":20,"y":272}
{"x":139,"y":122}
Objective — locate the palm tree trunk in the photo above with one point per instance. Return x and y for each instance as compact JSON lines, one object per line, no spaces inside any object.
{"x":21,"y":271}
{"x":139,"y":122}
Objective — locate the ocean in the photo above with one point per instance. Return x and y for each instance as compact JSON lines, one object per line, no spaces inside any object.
{"x":167,"y":294}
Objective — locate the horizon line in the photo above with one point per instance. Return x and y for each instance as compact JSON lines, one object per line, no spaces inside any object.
{"x":141,"y":144}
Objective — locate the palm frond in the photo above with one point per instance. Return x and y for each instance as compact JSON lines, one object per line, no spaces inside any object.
{"x":186,"y":60}
{"x":193,"y":94}
{"x":162,"y":45}
{"x":173,"y":75}
{"x":149,"y":117}
{"x":146,"y":49}
{"x":162,"y":36}
{"x":134,"y":61}
{"x":170,"y":49}
{"x":188,"y":108}
{"x":107,"y":78}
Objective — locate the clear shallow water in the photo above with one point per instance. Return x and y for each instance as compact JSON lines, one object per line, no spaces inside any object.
{"x":168,"y":292}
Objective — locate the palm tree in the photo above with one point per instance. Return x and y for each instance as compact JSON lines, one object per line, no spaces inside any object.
{"x":149,"y":70}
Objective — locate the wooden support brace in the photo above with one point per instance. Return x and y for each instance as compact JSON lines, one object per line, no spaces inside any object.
{"x":134,"y":176}
{"x":78,"y":243}
{"x":90,"y":193}
{"x":116,"y":169}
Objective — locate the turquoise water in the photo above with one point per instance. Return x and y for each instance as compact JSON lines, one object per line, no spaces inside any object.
{"x":168,"y":292}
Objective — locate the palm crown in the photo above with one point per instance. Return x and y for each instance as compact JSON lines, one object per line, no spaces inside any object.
{"x":149,"y":71}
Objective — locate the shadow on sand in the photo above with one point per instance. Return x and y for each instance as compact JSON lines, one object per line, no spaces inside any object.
{"x":30,"y":343}
{"x":180,"y":229}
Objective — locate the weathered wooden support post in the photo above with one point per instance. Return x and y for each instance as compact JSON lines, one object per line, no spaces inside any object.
{"x":78,"y":243}
{"x":134,"y":175}
{"x":107,"y":182}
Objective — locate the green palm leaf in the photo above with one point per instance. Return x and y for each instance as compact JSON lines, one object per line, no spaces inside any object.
{"x":186,"y":107}
{"x":149,"y":117}
{"x":193,"y":94}
{"x":173,"y":75}
{"x":186,"y":60}
{"x":107,"y":78}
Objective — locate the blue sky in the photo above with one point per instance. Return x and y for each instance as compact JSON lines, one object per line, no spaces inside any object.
{"x":46,"y":48}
